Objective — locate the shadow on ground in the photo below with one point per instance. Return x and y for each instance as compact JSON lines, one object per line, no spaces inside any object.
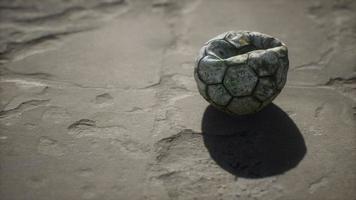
{"x":256,"y":146}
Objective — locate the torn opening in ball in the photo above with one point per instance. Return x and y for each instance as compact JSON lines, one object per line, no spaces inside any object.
{"x":241,"y":72}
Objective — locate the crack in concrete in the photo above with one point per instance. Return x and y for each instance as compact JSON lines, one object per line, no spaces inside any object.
{"x":23,"y":107}
{"x":341,"y":81}
{"x":316,"y":185}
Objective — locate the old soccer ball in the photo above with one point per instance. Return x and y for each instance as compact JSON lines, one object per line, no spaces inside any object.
{"x":240,"y":72}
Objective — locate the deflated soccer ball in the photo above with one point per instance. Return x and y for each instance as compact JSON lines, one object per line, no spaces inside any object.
{"x":240,"y":72}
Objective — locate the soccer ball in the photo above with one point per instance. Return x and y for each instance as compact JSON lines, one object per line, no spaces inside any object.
{"x":240,"y":72}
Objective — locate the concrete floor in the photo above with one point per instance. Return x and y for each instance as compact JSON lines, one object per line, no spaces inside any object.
{"x":98,"y":101}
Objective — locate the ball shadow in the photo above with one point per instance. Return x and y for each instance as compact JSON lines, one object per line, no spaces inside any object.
{"x":264,"y":144}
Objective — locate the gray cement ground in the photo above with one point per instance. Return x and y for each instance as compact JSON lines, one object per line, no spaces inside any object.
{"x":98,"y":101}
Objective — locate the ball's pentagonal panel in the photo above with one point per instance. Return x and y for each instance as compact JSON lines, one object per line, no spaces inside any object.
{"x":218,"y":94}
{"x":265,"y":89}
{"x":243,"y":105}
{"x":201,"y":86}
{"x":264,"y":62}
{"x":211,"y":70}
{"x":240,"y":80}
{"x":240,"y":72}
{"x":221,"y":49}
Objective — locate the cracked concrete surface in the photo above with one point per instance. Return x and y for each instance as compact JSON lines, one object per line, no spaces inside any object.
{"x":98,"y":101}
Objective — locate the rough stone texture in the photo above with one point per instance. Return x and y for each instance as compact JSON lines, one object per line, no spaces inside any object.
{"x":98,"y":101}
{"x":236,"y":61}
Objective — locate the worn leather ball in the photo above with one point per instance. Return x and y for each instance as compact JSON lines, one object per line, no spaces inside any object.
{"x":240,"y":72}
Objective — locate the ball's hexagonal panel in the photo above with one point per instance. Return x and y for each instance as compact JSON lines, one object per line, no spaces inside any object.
{"x":237,"y":60}
{"x":211,"y":70}
{"x":200,"y":56}
{"x":243,"y":105}
{"x":284,"y":62}
{"x":240,"y":80}
{"x":218,"y":94}
{"x":254,"y":60}
{"x":265,"y":103}
{"x":201,"y":86}
{"x":264,"y":62}
{"x":265,"y":89}
{"x":221,"y":49}
{"x":281,"y":73}
{"x":281,"y":52}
